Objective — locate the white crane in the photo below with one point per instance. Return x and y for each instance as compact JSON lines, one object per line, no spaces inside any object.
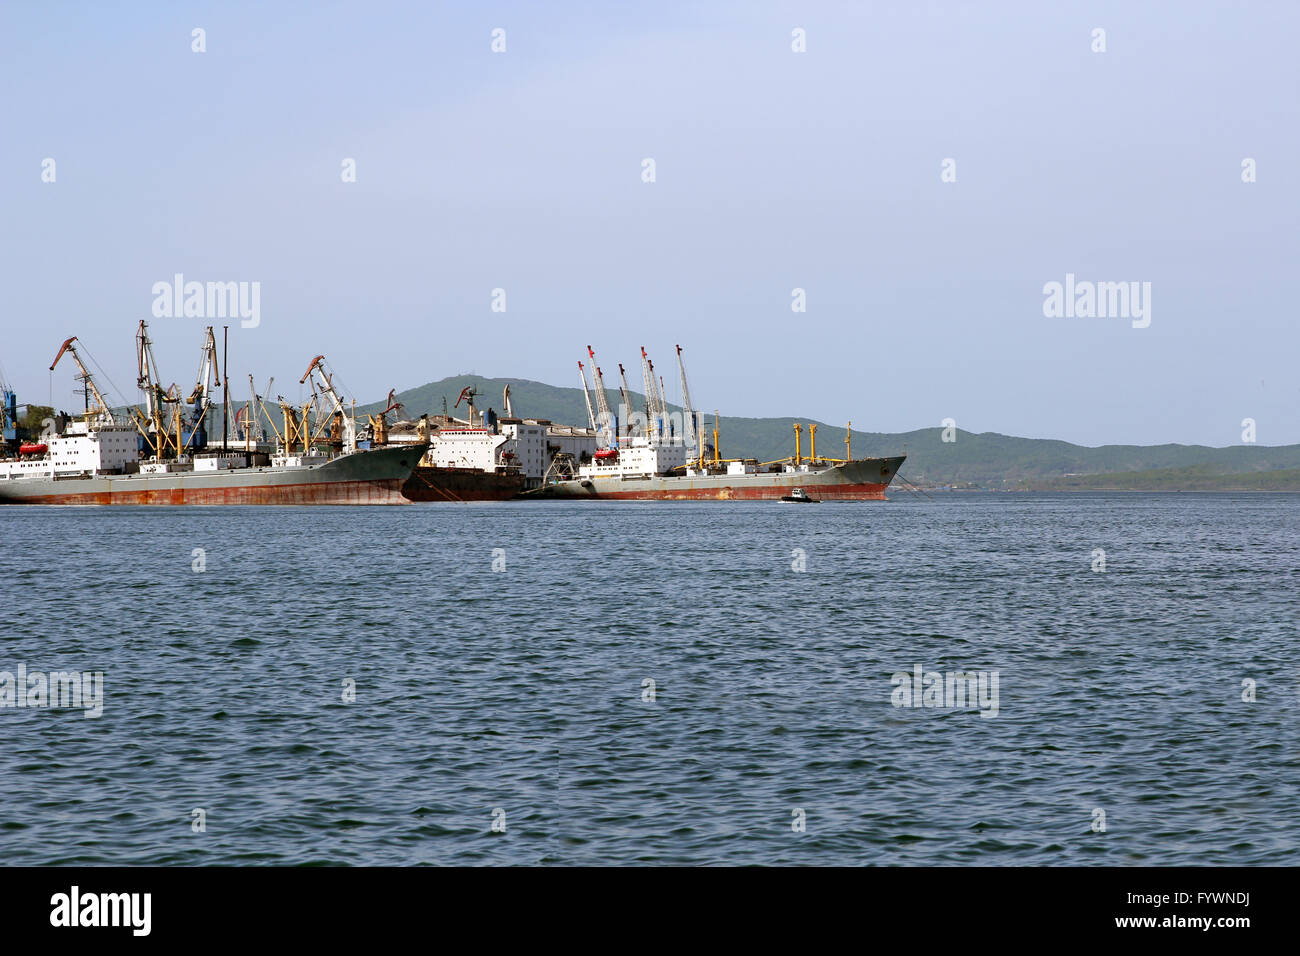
{"x":654,"y":404}
{"x":586,"y":393}
{"x":627,"y":399}
{"x":209,"y":374}
{"x":605,"y":432}
{"x":687,"y":413}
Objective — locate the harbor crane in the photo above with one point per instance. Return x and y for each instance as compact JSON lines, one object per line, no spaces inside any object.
{"x":467,"y":395}
{"x":150,"y":424}
{"x":605,"y":427}
{"x":393,"y":405}
{"x":209,"y":377}
{"x":249,"y":418}
{"x":101,"y":412}
{"x":200,"y":397}
{"x":586,"y":394}
{"x":379,"y":423}
{"x":627,"y":398}
{"x":11,"y":432}
{"x":654,"y":405}
{"x":691,"y":437}
{"x":325,"y":378}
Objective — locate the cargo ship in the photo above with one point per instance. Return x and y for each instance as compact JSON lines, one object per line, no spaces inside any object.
{"x":82,"y":468}
{"x":665,"y":455}
{"x":641,"y":473}
{"x":97,"y":460}
{"x":483,"y":457}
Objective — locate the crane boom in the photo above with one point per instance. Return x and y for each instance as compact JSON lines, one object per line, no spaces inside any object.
{"x":147,"y":370}
{"x":687,"y":413}
{"x":104,"y":413}
{"x":627,"y":398}
{"x":586,"y":393}
{"x":606,"y":423}
{"x":150,"y":425}
{"x":209,"y":373}
{"x":652,"y":411}
{"x":327,"y":388}
{"x":661,"y":410}
{"x":209,"y":376}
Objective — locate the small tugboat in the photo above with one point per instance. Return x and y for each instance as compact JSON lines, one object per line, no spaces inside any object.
{"x":798,"y":494}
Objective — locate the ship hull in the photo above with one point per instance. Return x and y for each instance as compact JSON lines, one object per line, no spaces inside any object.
{"x":460,"y":484}
{"x":364,"y":478}
{"x":862,"y":480}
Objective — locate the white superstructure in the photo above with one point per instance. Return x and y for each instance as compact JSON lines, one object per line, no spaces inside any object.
{"x":523,"y":444}
{"x":84,"y":448}
{"x":637,"y":458}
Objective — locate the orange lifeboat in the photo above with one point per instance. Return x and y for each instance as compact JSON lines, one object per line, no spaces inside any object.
{"x":39,"y":448}
{"x":607,"y":454}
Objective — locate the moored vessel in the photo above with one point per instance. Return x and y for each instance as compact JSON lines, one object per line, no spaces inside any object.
{"x":862,"y":479}
{"x":97,"y":460}
{"x":483,"y":457}
{"x":665,"y":456}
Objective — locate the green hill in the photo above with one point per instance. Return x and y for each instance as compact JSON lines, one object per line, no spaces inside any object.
{"x":1191,"y":478}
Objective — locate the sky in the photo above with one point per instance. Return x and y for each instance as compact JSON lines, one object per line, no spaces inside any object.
{"x":774,"y":170}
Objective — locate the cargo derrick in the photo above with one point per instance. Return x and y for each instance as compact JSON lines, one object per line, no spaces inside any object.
{"x":100,"y":412}
{"x":627,"y":400}
{"x":343,"y":429}
{"x":605,"y":440}
{"x":200,"y":399}
{"x":467,"y":395}
{"x":379,"y":423}
{"x":651,"y":407}
{"x":586,"y":394}
{"x":688,"y":415}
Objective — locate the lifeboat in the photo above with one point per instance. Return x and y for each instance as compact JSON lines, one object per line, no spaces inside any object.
{"x":607,"y":454}
{"x":39,"y":448}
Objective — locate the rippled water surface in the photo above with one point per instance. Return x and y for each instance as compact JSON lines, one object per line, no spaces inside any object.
{"x":521,"y":691}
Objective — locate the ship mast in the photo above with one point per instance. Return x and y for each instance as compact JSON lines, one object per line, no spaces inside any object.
{"x":225,"y":400}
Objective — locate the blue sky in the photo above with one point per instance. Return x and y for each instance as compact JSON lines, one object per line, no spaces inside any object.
{"x":774,"y":170}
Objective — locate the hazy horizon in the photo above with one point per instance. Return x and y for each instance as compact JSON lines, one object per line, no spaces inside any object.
{"x":774,"y":170}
